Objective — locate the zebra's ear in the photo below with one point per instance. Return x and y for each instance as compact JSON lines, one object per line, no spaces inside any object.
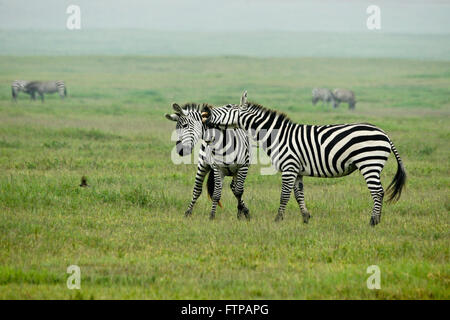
{"x":176,"y":108}
{"x":179,"y":110}
{"x":171,"y":117}
{"x":244,"y":99}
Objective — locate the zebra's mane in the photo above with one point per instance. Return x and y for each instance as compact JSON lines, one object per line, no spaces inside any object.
{"x":192,"y":106}
{"x":257,"y":106}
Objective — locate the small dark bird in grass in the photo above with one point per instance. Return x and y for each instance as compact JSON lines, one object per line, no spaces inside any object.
{"x":84,"y":182}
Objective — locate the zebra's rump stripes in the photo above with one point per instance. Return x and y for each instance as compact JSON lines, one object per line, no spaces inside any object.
{"x":18,"y":86}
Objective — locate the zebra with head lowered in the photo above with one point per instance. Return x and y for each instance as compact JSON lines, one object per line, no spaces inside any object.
{"x":329,"y":151}
{"x":18,"y":86}
{"x":222,"y":153}
{"x":40,"y":88}
{"x":344,"y":95}
{"x":322,"y":94}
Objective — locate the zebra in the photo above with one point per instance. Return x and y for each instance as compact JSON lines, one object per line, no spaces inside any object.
{"x":39,"y":87}
{"x":299,"y":150}
{"x":322,"y":94}
{"x":344,"y":95}
{"x":215,"y":145}
{"x":18,"y":86}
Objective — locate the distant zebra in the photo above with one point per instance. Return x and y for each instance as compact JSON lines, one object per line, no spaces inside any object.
{"x":217,"y":156}
{"x":40,"y":88}
{"x":299,"y":150}
{"x":344,"y":95}
{"x":18,"y":86}
{"x":322,"y":94}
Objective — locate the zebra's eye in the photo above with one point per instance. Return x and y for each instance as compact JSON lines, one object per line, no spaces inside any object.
{"x":184,"y":125}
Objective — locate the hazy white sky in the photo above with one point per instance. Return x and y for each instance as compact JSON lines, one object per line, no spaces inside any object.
{"x":397,"y":16}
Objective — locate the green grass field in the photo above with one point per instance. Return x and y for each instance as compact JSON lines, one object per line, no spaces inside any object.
{"x":127,"y":231}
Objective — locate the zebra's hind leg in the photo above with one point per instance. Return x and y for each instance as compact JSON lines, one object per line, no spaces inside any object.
{"x":237,"y":186}
{"x":202,"y":171}
{"x":218,"y":183}
{"x":372,"y":177}
{"x":300,"y":197}
{"x":377,"y":206}
{"x":287,"y":183}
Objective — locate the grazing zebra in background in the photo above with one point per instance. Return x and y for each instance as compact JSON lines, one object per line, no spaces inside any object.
{"x":343,"y":95}
{"x":322,"y":94}
{"x":39,"y":87}
{"x":222,"y":153}
{"x":18,"y":86}
{"x":299,"y":150}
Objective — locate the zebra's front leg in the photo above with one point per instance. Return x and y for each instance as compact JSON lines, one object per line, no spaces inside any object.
{"x":300,"y":197}
{"x":202,"y":171}
{"x":287,"y":183}
{"x":218,"y":183}
{"x":237,"y":186}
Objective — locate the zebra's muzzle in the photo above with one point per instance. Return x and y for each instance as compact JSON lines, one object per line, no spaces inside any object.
{"x":182,"y":149}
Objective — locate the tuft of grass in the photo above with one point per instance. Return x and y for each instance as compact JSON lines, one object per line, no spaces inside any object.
{"x":55,"y":144}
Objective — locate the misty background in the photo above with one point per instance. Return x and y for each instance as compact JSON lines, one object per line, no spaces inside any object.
{"x":329,"y":28}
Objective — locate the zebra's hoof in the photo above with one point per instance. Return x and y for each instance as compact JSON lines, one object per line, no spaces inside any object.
{"x":212,"y":217}
{"x":246,"y":213}
{"x":188,"y":213}
{"x":243,"y":211}
{"x":279,"y":218}
{"x":241,"y":214}
{"x":374,"y":221}
{"x":306,"y":217}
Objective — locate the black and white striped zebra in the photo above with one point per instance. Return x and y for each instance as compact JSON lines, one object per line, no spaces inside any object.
{"x":222,"y":153}
{"x":40,"y":88}
{"x":299,"y":150}
{"x":18,"y":86}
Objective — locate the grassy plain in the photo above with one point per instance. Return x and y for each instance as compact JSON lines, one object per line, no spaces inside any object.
{"x":127,"y":231}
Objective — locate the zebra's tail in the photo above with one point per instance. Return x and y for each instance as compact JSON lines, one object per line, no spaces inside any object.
{"x":394,"y":190}
{"x":65,"y":91}
{"x":210,"y":186}
{"x":14,"y":95}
